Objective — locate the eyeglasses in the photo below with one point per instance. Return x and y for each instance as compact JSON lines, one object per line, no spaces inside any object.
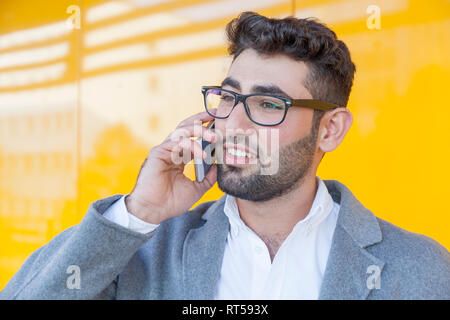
{"x":262,"y":109}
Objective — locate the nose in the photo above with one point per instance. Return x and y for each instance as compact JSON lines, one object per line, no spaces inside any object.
{"x":238,"y":119}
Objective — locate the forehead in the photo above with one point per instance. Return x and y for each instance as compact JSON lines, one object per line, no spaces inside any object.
{"x":251,"y":68}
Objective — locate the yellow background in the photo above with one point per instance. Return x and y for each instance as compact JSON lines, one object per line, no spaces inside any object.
{"x":81,"y":107}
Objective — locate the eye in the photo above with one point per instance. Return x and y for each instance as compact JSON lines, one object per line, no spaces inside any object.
{"x":270,"y":105}
{"x":227,"y":97}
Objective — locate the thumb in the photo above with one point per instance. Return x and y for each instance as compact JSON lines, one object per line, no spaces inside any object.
{"x":210,"y":179}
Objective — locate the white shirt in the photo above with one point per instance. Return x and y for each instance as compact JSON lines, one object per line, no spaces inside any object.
{"x":247,"y":271}
{"x":119,"y":214}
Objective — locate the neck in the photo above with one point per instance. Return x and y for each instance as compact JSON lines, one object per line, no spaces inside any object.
{"x":274,"y":219}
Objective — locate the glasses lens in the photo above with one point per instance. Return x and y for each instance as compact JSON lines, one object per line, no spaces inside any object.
{"x":265,"y":109}
{"x":221,"y":100}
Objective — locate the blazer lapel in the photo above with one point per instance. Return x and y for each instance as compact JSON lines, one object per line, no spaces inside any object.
{"x":203,"y":253}
{"x":352,"y":271}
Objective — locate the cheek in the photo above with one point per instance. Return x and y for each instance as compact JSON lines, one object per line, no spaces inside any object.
{"x":219,"y":126}
{"x":296,"y":125}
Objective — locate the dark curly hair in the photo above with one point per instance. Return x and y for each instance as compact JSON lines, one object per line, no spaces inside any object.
{"x":331,"y":69}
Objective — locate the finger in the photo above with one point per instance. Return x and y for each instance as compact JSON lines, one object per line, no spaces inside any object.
{"x":193,"y":147}
{"x":209,"y":180}
{"x":176,"y":146}
{"x":201,"y":116}
{"x":211,"y":176}
{"x":168,"y":152}
{"x":179,"y":153}
{"x":196,"y":131}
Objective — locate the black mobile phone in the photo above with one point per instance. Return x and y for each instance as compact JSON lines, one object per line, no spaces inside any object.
{"x":201,"y":165}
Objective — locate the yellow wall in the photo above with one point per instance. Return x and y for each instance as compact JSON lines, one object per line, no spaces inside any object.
{"x":80,"y":108}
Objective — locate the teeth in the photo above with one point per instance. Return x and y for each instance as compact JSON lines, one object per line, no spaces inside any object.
{"x":240,"y":153}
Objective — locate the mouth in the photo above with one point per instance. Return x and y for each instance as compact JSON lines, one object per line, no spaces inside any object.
{"x":238,"y":154}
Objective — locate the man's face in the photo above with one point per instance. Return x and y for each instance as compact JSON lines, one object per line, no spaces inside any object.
{"x":296,"y":144}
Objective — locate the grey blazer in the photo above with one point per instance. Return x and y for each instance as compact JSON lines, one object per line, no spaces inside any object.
{"x":369,"y":258}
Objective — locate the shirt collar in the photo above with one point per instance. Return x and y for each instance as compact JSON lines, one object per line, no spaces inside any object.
{"x":320,"y":209}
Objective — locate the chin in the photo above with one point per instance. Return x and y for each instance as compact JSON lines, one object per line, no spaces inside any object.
{"x":239,"y":170}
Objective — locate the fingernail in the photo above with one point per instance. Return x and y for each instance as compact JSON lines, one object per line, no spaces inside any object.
{"x":209,"y":135}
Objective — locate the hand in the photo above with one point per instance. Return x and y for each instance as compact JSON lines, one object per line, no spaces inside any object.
{"x":162,"y":191}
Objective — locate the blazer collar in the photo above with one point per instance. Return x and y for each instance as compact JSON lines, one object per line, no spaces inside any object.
{"x":349,"y":266}
{"x":357,"y":221}
{"x":352,"y":272}
{"x":203,"y":252}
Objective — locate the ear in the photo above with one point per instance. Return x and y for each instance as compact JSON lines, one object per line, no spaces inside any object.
{"x":334,"y":127}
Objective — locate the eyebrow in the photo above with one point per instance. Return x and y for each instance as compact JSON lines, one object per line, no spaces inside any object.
{"x":266,"y":89}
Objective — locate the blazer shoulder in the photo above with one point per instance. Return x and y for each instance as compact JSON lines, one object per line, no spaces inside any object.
{"x":410,"y":244}
{"x":33,"y":264}
{"x":415,"y":263}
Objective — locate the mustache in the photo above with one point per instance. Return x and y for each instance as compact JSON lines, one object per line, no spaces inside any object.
{"x":247,"y":142}
{"x":265,"y":151}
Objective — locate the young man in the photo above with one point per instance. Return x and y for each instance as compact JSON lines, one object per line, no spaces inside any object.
{"x":285,"y":234}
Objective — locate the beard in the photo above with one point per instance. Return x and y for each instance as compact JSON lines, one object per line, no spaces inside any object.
{"x":295,"y":160}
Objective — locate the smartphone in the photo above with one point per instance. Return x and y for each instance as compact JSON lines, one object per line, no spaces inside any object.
{"x":201,"y":165}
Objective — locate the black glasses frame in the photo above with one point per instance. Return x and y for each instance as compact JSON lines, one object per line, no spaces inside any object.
{"x":305,"y":103}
